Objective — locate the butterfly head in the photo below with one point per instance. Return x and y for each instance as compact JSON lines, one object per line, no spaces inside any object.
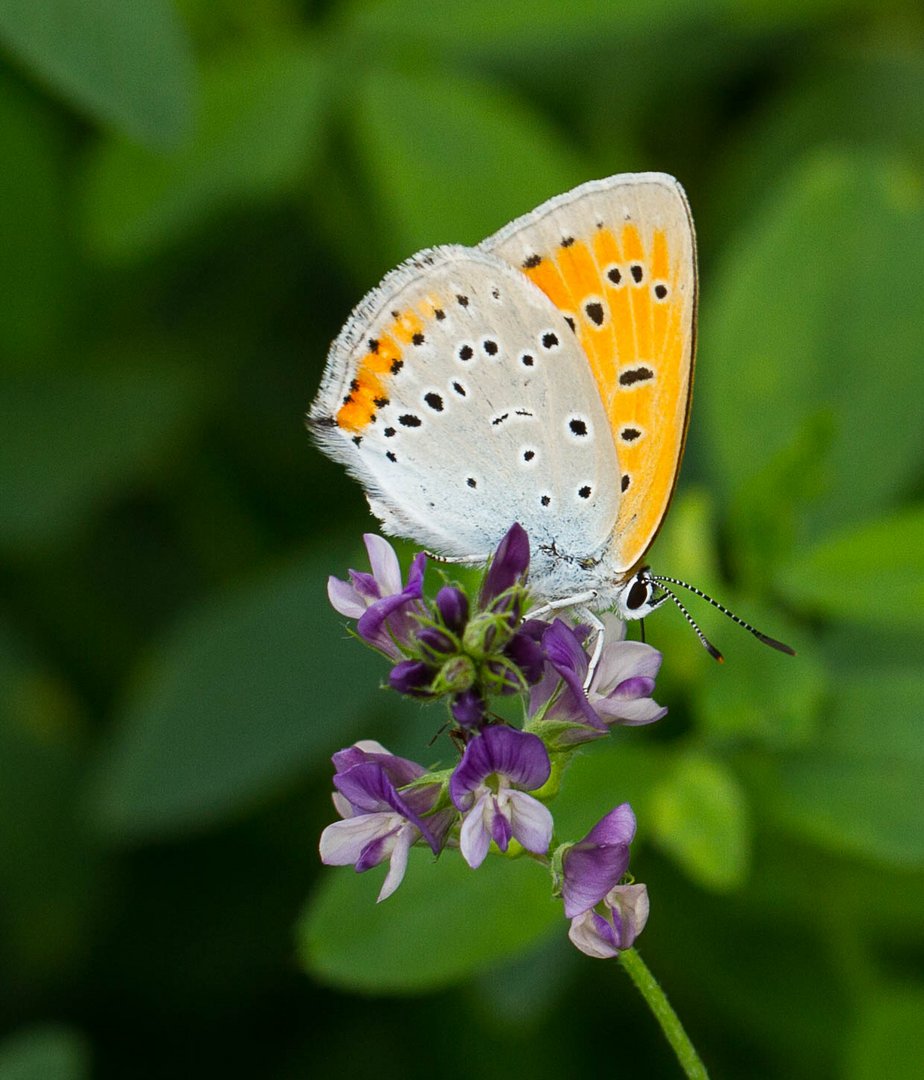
{"x":645,"y":591}
{"x":638,"y":595}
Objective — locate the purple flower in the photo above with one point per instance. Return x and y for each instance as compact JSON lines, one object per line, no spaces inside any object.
{"x":489,"y":786}
{"x":619,"y":692}
{"x":442,"y":647}
{"x":605,"y":915}
{"x":592,"y":866}
{"x":452,"y":604}
{"x":625,"y":912}
{"x":385,"y":609}
{"x":509,"y":565}
{"x":379,"y":821}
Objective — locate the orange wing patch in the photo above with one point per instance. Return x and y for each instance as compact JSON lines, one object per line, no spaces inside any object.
{"x":635,"y":325}
{"x":369,"y":386}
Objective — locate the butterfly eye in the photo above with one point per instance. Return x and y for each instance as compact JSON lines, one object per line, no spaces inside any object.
{"x":638,"y":595}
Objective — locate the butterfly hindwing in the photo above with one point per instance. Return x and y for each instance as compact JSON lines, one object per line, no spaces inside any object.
{"x":618,"y":258}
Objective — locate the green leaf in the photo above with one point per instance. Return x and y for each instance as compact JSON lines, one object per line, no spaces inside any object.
{"x":72,"y":439}
{"x":869,"y":97}
{"x":258,"y":132}
{"x":859,"y":791}
{"x":48,"y":863}
{"x":622,"y":768}
{"x":546,"y":30}
{"x":445,"y":923}
{"x":434,"y":144}
{"x":44,"y":1053}
{"x":888,"y":1040}
{"x":873,"y":574}
{"x":253,"y":689}
{"x":34,"y":268}
{"x":759,"y":694}
{"x":765,"y":515}
{"x":699,"y":816}
{"x":126,"y":65}
{"x":815,"y":310}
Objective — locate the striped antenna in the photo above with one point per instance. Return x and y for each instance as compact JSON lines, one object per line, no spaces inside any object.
{"x":766,"y":639}
{"x":707,"y":644}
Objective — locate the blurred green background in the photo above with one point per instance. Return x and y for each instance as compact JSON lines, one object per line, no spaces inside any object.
{"x":192,"y":197}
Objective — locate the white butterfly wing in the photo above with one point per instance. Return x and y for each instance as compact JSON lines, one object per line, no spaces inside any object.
{"x":458,"y":395}
{"x":618,"y":258}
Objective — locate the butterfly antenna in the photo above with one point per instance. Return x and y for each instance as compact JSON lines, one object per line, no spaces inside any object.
{"x":765,"y":638}
{"x":706,"y":643}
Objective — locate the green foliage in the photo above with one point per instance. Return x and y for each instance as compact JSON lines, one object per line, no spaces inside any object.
{"x":817,"y":302}
{"x":699,"y":815}
{"x":265,"y":708}
{"x":193,"y":197}
{"x":73,"y":441}
{"x":445,"y":925}
{"x":444,"y":135}
{"x":257,"y":133}
{"x":44,"y":1053}
{"x":127,"y":65}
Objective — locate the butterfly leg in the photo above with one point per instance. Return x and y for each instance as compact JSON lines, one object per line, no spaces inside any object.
{"x":566,"y":601}
{"x":579,"y":601}
{"x":598,"y":629}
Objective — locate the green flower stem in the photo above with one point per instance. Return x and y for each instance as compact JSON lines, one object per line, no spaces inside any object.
{"x":657,"y":1001}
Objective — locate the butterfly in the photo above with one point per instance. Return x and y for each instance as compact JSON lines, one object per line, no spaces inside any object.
{"x":545,"y":377}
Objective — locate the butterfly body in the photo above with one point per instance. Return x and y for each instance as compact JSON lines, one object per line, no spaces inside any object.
{"x":542,"y":377}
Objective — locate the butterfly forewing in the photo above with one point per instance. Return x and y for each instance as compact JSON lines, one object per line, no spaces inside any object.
{"x":617,"y":257}
{"x":458,"y":395}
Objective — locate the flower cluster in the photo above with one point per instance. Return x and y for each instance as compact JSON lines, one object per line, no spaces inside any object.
{"x":496,"y":793}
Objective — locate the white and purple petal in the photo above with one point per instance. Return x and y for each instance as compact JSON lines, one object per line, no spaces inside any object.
{"x":565,"y":651}
{"x":343,"y":842}
{"x":604,"y":936}
{"x":397,"y":865}
{"x":518,"y":756}
{"x":594,"y":865}
{"x":530,"y":822}
{"x":344,"y":598}
{"x":384,"y":562}
{"x":621,"y":660}
{"x":475,"y":834}
{"x":370,"y":791}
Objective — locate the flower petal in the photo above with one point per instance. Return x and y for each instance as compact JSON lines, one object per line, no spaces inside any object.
{"x":602,"y":936}
{"x":475,"y":836}
{"x":500,"y":827}
{"x":398,"y":863}
{"x":616,"y":827}
{"x":467,"y":708}
{"x":370,"y":791}
{"x":399,"y":770}
{"x":344,"y":599}
{"x":343,"y":842}
{"x":631,"y":713}
{"x":517,"y":755}
{"x":564,"y":649}
{"x":590,"y":873}
{"x":621,"y":660}
{"x":528,"y":656}
{"x":530,"y":822}
{"x":593,"y":935}
{"x":452,"y":605}
{"x":509,"y":565}
{"x":410,"y":677}
{"x":384,"y":562}
{"x":594,"y":865}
